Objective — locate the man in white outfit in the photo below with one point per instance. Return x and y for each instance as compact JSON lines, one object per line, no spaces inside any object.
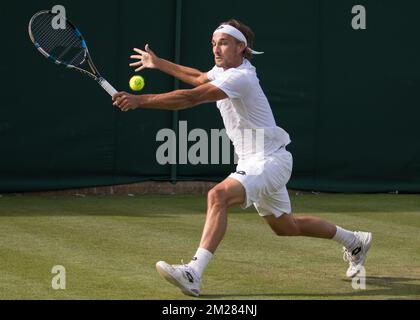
{"x":264,"y":165}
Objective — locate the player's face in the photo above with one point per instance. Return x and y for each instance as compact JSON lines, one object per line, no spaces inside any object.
{"x":227,"y":51}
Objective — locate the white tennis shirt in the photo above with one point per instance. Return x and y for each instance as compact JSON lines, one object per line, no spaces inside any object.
{"x":246,"y":112}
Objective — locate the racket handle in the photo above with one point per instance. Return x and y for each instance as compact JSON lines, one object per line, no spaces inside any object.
{"x":107,"y":87}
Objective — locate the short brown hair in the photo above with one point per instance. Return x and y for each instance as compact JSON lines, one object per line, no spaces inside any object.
{"x":248,"y":33}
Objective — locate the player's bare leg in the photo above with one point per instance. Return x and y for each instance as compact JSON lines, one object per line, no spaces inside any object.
{"x":226,"y":194}
{"x":220,"y":198}
{"x":309,"y":226}
{"x":355,"y":244}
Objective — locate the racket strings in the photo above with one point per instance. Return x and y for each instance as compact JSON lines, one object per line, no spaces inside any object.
{"x":50,"y":37}
{"x":79,"y":56}
{"x":64,"y":45}
{"x":44,"y":32}
{"x":52,"y":41}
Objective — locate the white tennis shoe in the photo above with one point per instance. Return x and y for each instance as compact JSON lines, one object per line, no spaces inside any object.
{"x":182,"y":276}
{"x":357,"y":257}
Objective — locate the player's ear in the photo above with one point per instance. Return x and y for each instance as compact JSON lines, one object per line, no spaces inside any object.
{"x":241,"y":47}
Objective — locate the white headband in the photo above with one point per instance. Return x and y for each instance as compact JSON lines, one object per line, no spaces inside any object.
{"x":232,"y":31}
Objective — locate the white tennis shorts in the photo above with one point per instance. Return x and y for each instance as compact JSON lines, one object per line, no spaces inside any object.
{"x":265,"y":181}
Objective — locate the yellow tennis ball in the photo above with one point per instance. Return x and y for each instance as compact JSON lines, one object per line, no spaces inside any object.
{"x":136,"y":83}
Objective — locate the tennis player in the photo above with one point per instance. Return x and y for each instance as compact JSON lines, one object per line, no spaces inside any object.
{"x":260,"y":179}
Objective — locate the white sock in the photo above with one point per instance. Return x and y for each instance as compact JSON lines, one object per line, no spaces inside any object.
{"x":200,"y":260}
{"x":346,"y":238}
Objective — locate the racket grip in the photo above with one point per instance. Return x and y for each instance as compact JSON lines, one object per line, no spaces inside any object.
{"x":107,"y":87}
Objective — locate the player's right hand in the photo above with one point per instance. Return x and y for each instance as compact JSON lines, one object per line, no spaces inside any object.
{"x":125,"y":101}
{"x":147,"y":59}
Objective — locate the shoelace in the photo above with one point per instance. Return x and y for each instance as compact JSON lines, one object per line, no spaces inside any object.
{"x":347,"y":256}
{"x":181,"y":265}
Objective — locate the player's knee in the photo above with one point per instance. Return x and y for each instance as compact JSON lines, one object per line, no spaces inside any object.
{"x":217,"y":197}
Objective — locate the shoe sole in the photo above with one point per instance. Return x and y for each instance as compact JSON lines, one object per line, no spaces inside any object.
{"x":366,"y":249}
{"x":175,"y":282}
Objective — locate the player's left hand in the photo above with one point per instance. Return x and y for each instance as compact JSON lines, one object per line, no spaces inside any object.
{"x":125,"y":101}
{"x":147,"y":59}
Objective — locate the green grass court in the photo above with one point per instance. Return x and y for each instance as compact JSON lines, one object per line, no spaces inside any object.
{"x":109,"y":246}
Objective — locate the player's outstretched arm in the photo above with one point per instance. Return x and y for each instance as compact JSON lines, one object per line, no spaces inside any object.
{"x":148,"y":59}
{"x":175,"y":100}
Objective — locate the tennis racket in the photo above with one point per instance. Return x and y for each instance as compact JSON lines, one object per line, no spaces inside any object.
{"x":65,"y":47}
